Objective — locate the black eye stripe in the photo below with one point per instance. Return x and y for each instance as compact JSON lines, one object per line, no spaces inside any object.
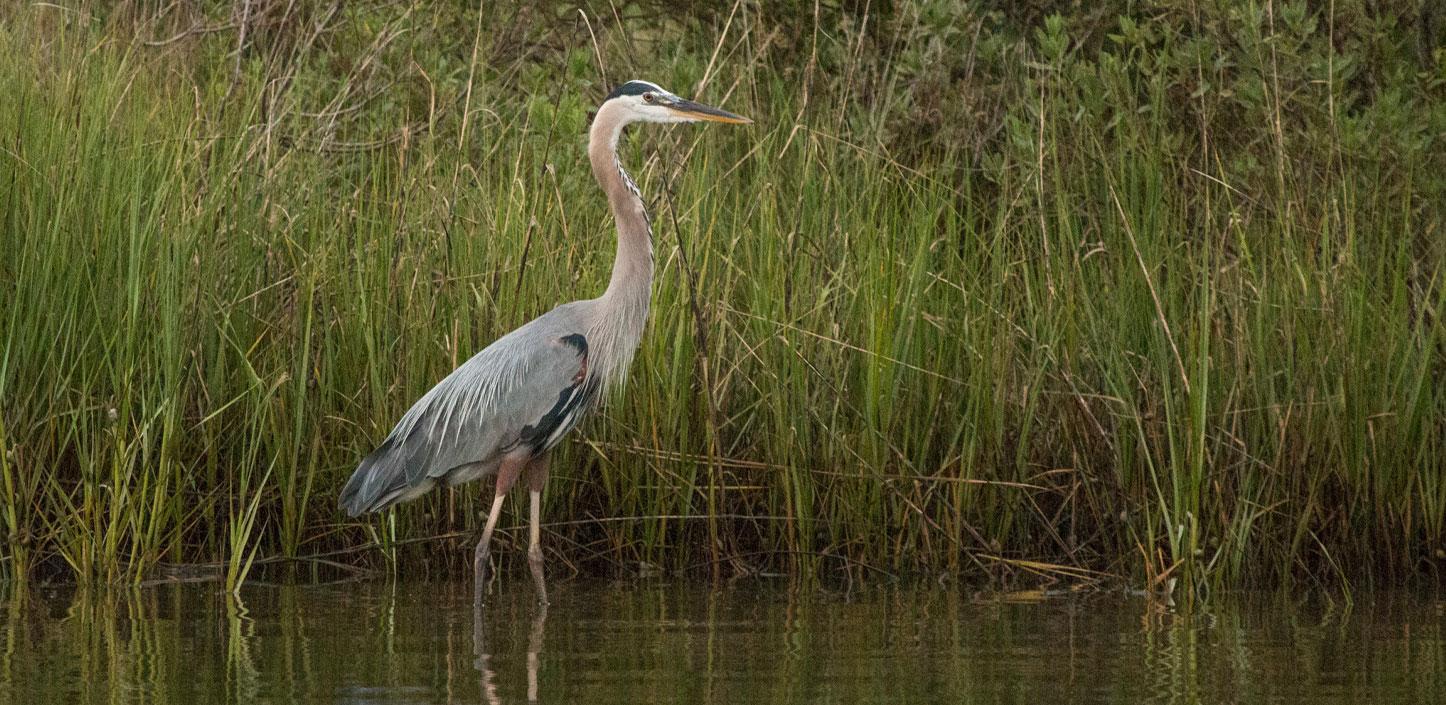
{"x":631,"y":88}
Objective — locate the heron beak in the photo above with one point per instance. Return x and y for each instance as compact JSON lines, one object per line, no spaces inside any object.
{"x":698,"y":111}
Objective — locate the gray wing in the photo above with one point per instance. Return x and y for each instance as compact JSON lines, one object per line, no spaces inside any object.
{"x":525,"y":390}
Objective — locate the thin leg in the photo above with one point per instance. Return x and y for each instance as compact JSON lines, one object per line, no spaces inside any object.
{"x":536,"y":478}
{"x":534,"y":548}
{"x":480,"y":556}
{"x":506,"y":476}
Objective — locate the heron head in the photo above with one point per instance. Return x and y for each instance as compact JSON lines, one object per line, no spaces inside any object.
{"x":648,"y":102}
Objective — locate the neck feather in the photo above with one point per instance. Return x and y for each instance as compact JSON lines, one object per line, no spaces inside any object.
{"x":625,"y":303}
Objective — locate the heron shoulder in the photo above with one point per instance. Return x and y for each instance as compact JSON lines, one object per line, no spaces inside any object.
{"x":494,"y":382}
{"x":529,"y":349}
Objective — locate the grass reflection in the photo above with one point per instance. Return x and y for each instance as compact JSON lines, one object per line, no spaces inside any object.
{"x":664,"y":643}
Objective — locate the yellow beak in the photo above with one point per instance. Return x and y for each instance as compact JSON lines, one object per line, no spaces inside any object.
{"x":698,"y":111}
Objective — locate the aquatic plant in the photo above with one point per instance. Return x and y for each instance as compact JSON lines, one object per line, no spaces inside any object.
{"x":1145,"y":294}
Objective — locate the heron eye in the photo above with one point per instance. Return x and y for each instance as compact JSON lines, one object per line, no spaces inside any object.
{"x":647,"y":97}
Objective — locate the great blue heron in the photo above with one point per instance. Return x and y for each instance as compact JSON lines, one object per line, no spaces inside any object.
{"x":502,"y":411}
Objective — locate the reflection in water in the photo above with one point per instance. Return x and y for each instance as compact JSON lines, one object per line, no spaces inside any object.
{"x":240,"y":633}
{"x":669,"y":642}
{"x":484,"y":657}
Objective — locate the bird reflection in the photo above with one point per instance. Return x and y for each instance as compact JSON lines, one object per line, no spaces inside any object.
{"x":488,"y":682}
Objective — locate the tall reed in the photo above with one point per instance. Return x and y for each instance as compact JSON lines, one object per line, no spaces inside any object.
{"x":1086,"y":304}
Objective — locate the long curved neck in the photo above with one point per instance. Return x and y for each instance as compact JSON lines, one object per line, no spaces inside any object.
{"x":633,"y":269}
{"x":624,"y":306}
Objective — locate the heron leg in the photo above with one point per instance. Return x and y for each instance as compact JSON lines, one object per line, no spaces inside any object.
{"x":536,"y":478}
{"x":507,"y":474}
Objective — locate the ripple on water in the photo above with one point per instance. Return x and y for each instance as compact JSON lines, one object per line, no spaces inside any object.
{"x":658,"y":642}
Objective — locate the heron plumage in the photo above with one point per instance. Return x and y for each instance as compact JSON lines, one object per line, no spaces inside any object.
{"x":477,"y":413}
{"x":506,"y":407}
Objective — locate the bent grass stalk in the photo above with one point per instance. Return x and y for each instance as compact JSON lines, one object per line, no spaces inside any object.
{"x":1061,"y":344}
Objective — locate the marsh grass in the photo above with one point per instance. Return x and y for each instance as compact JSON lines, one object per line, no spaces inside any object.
{"x":1084,"y":324}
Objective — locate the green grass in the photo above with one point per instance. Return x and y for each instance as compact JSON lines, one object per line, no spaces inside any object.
{"x":1112,"y":299}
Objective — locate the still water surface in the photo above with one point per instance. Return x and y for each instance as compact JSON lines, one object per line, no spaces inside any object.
{"x":750,"y":642}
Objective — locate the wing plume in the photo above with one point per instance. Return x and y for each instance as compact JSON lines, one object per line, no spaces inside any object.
{"x":528,"y":379}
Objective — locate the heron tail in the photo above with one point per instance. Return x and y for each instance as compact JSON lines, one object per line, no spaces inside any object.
{"x":381,"y":480}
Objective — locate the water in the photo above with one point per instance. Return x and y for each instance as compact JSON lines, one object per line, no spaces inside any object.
{"x":748,"y":642}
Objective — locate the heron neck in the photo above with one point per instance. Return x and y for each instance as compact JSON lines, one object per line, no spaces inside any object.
{"x":632,"y":276}
{"x":624,"y":306}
